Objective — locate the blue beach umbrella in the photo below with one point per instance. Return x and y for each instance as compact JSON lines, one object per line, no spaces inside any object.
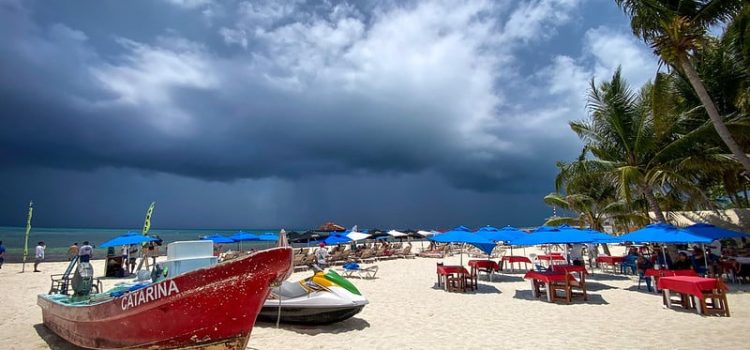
{"x":662,"y":233}
{"x":240,"y":237}
{"x":504,"y":234}
{"x":334,"y":239}
{"x":713,"y":232}
{"x":462,"y":234}
{"x":217,"y":239}
{"x":244,"y":236}
{"x":553,"y":236}
{"x":268,"y":236}
{"x":127,"y":239}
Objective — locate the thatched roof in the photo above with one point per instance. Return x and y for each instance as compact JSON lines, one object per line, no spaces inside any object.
{"x":330,"y":226}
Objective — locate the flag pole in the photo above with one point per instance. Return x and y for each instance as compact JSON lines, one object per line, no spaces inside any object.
{"x":26,"y":241}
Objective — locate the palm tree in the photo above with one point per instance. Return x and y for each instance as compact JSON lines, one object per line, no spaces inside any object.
{"x":591,"y":195}
{"x":640,"y":140}
{"x":675,"y":29}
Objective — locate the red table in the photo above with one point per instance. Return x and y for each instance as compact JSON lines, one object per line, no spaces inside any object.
{"x":551,"y":258}
{"x":657,"y":274}
{"x":446,"y":270}
{"x":537,"y":278}
{"x":579,"y":269}
{"x":512,"y":259}
{"x":699,"y":288}
{"x":488,"y":266}
{"x":610,"y":260}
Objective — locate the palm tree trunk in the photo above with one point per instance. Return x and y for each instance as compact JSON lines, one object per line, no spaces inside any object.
{"x":652,"y":203}
{"x":713,"y":113}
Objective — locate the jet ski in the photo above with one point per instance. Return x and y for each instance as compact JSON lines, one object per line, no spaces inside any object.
{"x":323,"y":298}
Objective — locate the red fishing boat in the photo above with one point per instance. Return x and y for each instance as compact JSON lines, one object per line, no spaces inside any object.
{"x":209,"y":308}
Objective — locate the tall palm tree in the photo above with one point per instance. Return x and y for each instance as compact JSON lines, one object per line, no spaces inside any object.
{"x":639,"y":140}
{"x":675,"y":29}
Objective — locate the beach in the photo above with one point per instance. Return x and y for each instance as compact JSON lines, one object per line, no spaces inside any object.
{"x":408,"y":311}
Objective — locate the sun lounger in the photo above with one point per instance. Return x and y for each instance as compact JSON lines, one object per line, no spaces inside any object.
{"x":353,"y":269}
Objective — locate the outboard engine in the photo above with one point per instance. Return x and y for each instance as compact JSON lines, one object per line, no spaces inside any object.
{"x":83,"y":278}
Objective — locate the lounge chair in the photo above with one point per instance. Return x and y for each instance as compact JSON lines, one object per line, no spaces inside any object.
{"x":352,"y":269}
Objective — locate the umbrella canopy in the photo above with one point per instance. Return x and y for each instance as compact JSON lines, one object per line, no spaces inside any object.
{"x":375,"y":233}
{"x":397,"y":234}
{"x":356,"y":236}
{"x":218,"y":239}
{"x":546,"y":229}
{"x":662,"y":233}
{"x":462,"y":235}
{"x":553,"y":236}
{"x":713,"y":232}
{"x":427,"y":233}
{"x":126,"y":239}
{"x":268,"y":237}
{"x":306,"y":237}
{"x":505,"y":234}
{"x":336,"y":239}
{"x":243,"y":236}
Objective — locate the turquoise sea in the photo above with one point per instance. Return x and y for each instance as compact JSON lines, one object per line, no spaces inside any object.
{"x":59,"y":239}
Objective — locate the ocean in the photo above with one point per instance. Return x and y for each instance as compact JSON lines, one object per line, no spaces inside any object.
{"x":59,"y":239}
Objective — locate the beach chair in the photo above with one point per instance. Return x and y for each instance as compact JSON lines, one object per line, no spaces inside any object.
{"x":406,"y":253}
{"x":568,"y":287}
{"x":366,"y":256}
{"x":352,"y":269}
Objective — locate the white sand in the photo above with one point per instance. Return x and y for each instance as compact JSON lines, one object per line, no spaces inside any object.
{"x":407,"y":311}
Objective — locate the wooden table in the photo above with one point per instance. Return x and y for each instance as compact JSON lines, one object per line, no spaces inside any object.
{"x":449,"y":272}
{"x":579,"y":269}
{"x":551,"y":258}
{"x":487,"y":266}
{"x":545,"y":278}
{"x":610,"y":260}
{"x":655,"y":274}
{"x":694,"y":291}
{"x":512,"y":259}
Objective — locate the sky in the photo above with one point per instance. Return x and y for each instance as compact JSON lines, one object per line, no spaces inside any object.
{"x":271,"y":114}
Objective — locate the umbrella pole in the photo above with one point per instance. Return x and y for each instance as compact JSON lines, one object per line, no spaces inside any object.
{"x":461,"y":254}
{"x":705,"y":258}
{"x":664,"y":252}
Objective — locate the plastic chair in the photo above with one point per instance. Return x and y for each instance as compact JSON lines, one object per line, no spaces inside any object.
{"x":629,"y":264}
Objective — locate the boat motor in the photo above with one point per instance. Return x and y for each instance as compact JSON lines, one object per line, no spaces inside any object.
{"x":83,"y":278}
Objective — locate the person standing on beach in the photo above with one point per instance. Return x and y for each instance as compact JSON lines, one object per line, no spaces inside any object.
{"x":73,"y":251}
{"x":321,"y":255}
{"x":85,"y":252}
{"x":2,"y":254}
{"x":39,"y":256}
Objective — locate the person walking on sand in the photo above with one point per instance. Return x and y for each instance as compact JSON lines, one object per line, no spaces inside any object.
{"x":39,"y":256}
{"x":85,"y":252}
{"x":2,"y":254}
{"x":73,"y":251}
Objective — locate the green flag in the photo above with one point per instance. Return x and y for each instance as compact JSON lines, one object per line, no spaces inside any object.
{"x":147,"y":223}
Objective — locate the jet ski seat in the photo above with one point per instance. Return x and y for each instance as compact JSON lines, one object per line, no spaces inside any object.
{"x":288,"y":290}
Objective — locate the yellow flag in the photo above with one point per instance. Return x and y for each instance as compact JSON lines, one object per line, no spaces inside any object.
{"x":147,"y":223}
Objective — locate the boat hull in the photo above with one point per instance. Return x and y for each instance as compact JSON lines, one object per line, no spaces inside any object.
{"x":196,"y":310}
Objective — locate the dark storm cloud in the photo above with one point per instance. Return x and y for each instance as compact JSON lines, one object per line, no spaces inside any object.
{"x":293,"y":92}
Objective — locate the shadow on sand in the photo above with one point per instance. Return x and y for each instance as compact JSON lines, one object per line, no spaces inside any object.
{"x":53,"y":340}
{"x":593,"y":299}
{"x":607,"y":277}
{"x":352,"y":324}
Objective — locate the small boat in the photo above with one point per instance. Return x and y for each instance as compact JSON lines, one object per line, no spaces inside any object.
{"x":323,"y":298}
{"x":194,"y":307}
